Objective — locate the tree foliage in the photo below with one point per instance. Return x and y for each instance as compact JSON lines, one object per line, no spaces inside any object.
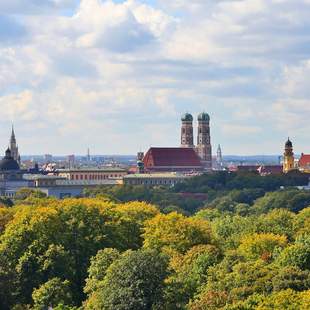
{"x":247,"y":248}
{"x":134,"y":281}
{"x":176,"y":232}
{"x":52,"y":293}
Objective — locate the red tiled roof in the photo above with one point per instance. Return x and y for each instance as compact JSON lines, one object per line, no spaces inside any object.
{"x":171,"y":157}
{"x":304,"y":160}
{"x":132,"y":170}
{"x":270,"y":169}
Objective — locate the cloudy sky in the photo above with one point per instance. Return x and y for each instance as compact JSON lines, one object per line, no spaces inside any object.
{"x":116,"y":76}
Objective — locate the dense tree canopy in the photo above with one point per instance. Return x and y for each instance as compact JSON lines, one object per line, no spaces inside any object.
{"x":245,"y":248}
{"x":133,"y":281}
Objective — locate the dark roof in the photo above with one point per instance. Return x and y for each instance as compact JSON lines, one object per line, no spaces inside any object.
{"x":304,"y":160}
{"x":187,"y":117}
{"x":8,"y":163}
{"x":270,"y":169}
{"x":171,"y":157}
{"x":263,"y":169}
{"x":289,"y":143}
{"x":248,"y":168}
{"x":204,"y":117}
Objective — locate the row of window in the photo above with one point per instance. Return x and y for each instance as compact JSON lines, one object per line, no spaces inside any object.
{"x":200,"y":131}
{"x":94,"y":177}
{"x":153,"y":182}
{"x":45,"y":183}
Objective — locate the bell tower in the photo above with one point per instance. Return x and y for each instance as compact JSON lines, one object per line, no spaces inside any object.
{"x":187,"y":136}
{"x":288,"y":163}
{"x":204,"y":149}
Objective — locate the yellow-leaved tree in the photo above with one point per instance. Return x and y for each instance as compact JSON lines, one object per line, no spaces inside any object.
{"x":256,"y":246}
{"x":176,"y":232}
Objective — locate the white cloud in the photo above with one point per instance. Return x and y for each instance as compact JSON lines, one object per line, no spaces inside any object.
{"x":127,"y":69}
{"x":295,"y":80}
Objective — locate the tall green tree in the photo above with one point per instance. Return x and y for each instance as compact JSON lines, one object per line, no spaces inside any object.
{"x":135,"y":281}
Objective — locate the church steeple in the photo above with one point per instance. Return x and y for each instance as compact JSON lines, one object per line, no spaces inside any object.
{"x":289,"y":160}
{"x":219,"y":157}
{"x":13,"y":139}
{"x":204,"y":149}
{"x":13,"y":146}
{"x":187,"y":136}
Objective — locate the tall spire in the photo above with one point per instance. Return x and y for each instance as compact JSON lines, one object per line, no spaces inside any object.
{"x":219,"y":157}
{"x":13,"y":139}
{"x":13,"y":146}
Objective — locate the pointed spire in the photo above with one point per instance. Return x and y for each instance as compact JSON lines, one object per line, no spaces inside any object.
{"x":13,"y":139}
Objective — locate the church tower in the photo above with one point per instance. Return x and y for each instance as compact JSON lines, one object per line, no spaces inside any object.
{"x":288,"y":163}
{"x":204,"y":149}
{"x":219,"y":158}
{"x":187,"y":136}
{"x":14,"y":147}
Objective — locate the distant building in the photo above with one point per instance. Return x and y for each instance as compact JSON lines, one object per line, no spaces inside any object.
{"x":304,"y":163}
{"x":219,"y":158}
{"x":263,"y":170}
{"x":187,"y":133}
{"x":290,"y":163}
{"x":88,"y":155}
{"x":140,"y":156}
{"x":14,"y":147}
{"x":61,"y":187}
{"x":48,"y":158}
{"x":270,"y":169}
{"x":11,"y":176}
{"x":84,"y":174}
{"x":288,"y":159}
{"x":203,"y":148}
{"x":247,"y":168}
{"x":71,"y":161}
{"x":161,"y":159}
{"x":154,"y":179}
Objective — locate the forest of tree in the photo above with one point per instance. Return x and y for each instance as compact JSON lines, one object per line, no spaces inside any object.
{"x":247,"y":247}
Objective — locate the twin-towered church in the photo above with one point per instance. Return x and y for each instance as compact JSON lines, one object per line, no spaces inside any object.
{"x":203,"y":148}
{"x":186,"y":158}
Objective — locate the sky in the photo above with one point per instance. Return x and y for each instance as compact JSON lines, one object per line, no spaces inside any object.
{"x":116,"y":76}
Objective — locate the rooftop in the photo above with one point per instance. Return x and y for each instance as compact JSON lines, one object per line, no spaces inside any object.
{"x":304,"y":160}
{"x":171,"y":157}
{"x":103,"y":169}
{"x":33,"y":177}
{"x":87,"y":182}
{"x":156,"y":176}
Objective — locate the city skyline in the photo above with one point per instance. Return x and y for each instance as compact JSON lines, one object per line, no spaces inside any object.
{"x":116,"y":76}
